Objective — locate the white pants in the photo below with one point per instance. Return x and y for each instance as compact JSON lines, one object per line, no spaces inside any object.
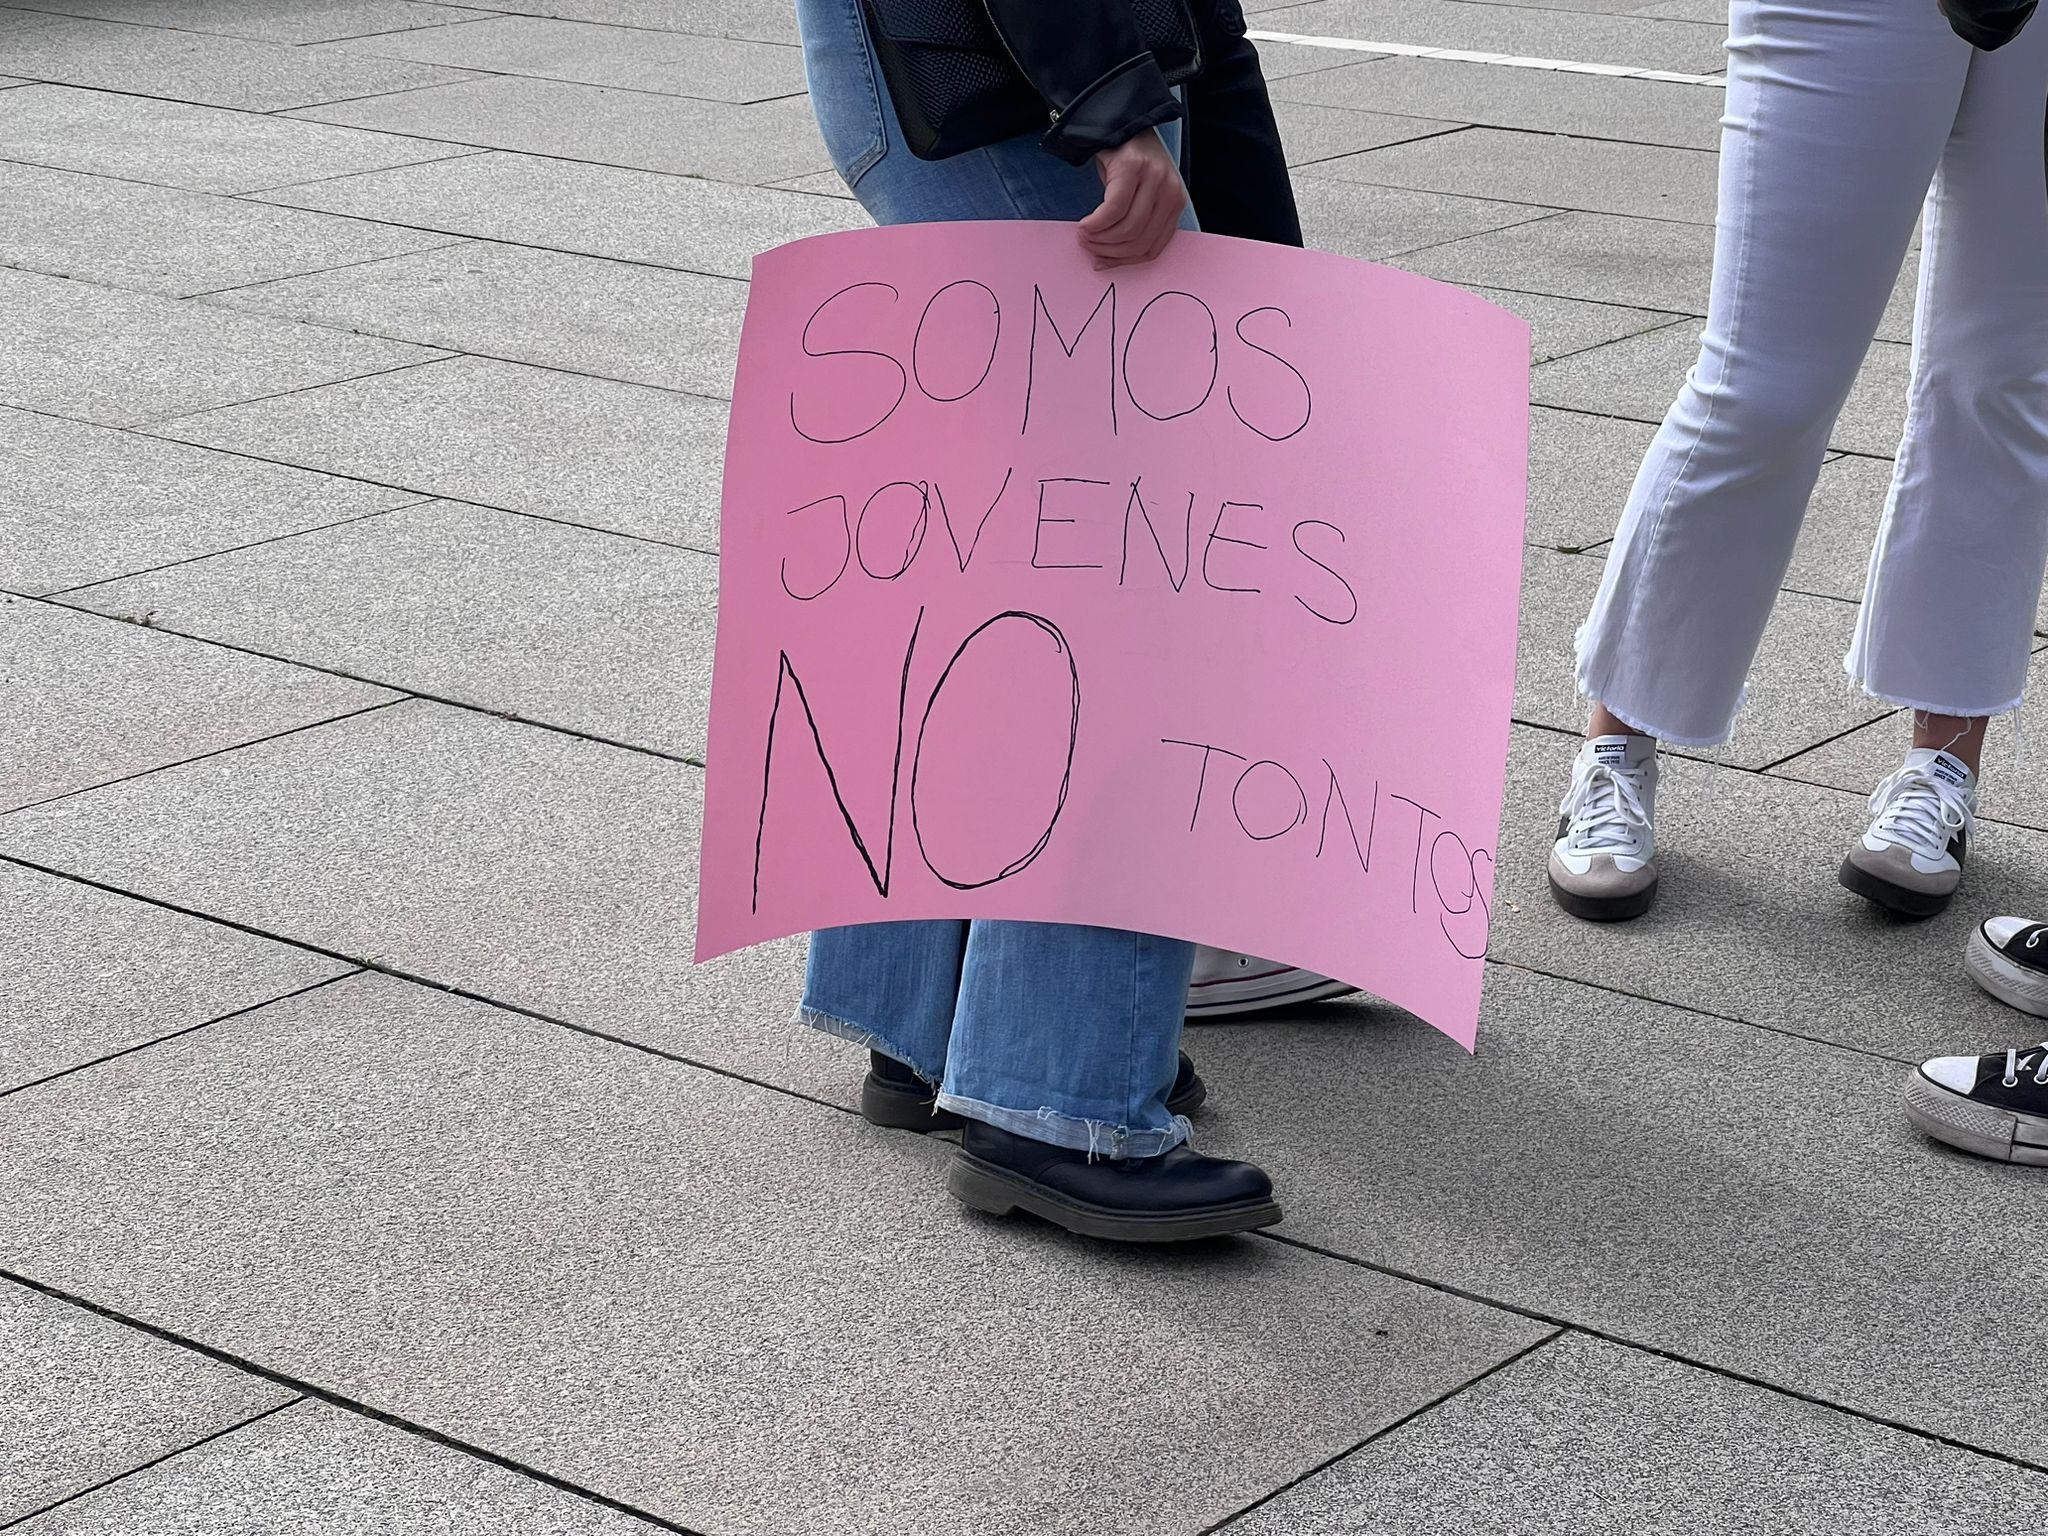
{"x":1841,"y":116}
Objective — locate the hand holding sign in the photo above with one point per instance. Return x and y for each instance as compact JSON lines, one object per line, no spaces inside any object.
{"x":1119,"y":598}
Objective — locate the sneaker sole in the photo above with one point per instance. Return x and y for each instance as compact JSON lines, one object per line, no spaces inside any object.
{"x":1232,"y":999}
{"x":2000,"y":1134}
{"x":983,"y":1187}
{"x":1900,"y":900}
{"x":2013,"y":985}
{"x":1604,"y":909}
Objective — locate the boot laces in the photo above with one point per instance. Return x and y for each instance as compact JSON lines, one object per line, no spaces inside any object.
{"x":1605,"y":805}
{"x":1919,"y":809}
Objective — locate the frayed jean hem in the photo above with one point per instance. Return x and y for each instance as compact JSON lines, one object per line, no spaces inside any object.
{"x":1098,"y":1138}
{"x":831,"y":1024}
{"x":1918,"y":706}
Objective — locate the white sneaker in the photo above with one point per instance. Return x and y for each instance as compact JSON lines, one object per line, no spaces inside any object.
{"x":1911,"y":859}
{"x":1228,"y":983}
{"x":1603,"y":866}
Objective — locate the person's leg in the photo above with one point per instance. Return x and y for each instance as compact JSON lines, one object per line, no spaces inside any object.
{"x":1235,"y":165}
{"x":1070,"y":1034}
{"x":1065,"y":1051}
{"x":1947,"y":625}
{"x":1838,"y":111}
{"x":891,"y":987}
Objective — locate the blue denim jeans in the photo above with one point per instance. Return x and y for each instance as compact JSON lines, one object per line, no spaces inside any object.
{"x":1066,"y":1034}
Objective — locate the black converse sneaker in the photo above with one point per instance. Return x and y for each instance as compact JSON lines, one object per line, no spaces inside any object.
{"x":2008,"y":957}
{"x":1994,"y":1106}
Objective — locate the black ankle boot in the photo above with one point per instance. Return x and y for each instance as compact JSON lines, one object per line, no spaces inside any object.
{"x":1166,"y":1199}
{"x":895,"y":1097}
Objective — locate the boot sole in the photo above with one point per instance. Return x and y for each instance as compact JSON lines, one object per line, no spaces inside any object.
{"x":2013,"y":985}
{"x":984,"y":1187}
{"x":1604,"y":909}
{"x":1900,"y":900}
{"x":1978,"y":1128}
{"x":894,"y":1109}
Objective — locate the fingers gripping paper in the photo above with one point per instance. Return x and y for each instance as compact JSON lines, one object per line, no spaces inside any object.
{"x":1179,"y":598}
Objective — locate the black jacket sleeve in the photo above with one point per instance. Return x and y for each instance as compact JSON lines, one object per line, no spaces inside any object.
{"x":1987,"y":24}
{"x":1089,"y":62}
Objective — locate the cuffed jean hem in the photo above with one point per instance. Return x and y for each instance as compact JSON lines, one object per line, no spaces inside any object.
{"x":828,"y":1024}
{"x":1098,"y":1138}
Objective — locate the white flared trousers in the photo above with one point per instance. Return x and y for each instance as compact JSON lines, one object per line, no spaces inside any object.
{"x":1842,"y":115}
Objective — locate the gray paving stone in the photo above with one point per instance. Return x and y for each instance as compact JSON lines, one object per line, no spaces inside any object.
{"x":1556,"y":1445}
{"x":615,"y":456}
{"x":317,"y":1469}
{"x":120,"y":359}
{"x":1747,"y":1201}
{"x":1284,"y":61}
{"x":1374,"y":223}
{"x":8,"y":85}
{"x":1798,"y":696}
{"x":535,"y":868}
{"x":847,"y":1319}
{"x":766,"y":21}
{"x":1714,"y":11}
{"x":817,"y":184}
{"x":1581,"y":469}
{"x":2014,"y":778}
{"x":203,"y":149}
{"x":268,"y":21}
{"x":642,"y":325}
{"x":1834,"y":547}
{"x":1648,"y":262}
{"x":81,"y":504}
{"x":93,"y":700}
{"x":83,"y":1399}
{"x":1639,"y":377}
{"x":592,"y":210}
{"x":1536,"y":101}
{"x":667,"y":63}
{"x":1544,"y":170}
{"x":1514,"y":30}
{"x":1561,"y":327}
{"x":1312,"y":132}
{"x":193,"y":67}
{"x":169,"y":242}
{"x":1770,"y":940}
{"x":535,"y":620}
{"x":768,"y":141}
{"x":90,"y":973}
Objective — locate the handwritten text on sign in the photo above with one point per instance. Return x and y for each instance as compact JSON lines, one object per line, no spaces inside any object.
{"x":1178,"y":598}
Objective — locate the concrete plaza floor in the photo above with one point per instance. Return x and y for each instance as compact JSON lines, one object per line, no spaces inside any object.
{"x":372,"y":1160}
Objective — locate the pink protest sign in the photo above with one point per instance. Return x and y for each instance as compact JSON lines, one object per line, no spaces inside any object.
{"x":1177,"y":598}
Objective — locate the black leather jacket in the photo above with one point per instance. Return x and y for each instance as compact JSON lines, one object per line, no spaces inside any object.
{"x":1088,"y":60}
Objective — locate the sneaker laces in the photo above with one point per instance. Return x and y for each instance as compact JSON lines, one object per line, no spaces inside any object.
{"x":2012,"y":1065}
{"x":1606,"y":808}
{"x":1920,"y":809}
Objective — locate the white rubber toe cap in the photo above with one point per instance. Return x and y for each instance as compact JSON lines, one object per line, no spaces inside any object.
{"x":1958,"y":1074}
{"x":1999,"y":930}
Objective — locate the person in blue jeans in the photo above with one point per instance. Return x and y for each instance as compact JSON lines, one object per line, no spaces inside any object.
{"x":1054,"y":1049}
